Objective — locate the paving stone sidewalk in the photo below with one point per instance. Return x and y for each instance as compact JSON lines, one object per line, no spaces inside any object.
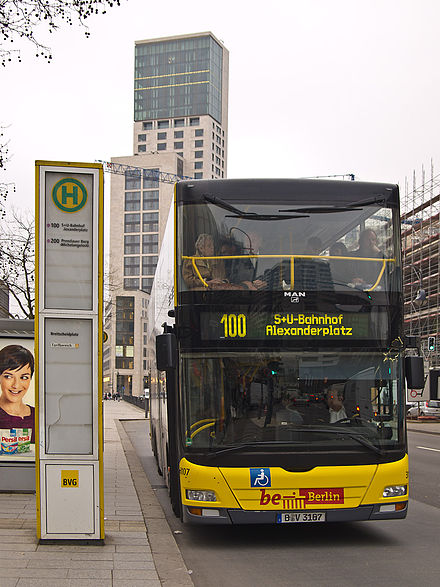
{"x":139,"y":550}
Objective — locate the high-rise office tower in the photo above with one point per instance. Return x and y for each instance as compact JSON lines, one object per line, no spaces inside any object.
{"x":180,"y":127}
{"x":181,"y":101}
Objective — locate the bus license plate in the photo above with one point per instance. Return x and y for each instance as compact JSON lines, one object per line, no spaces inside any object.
{"x":293,"y":517}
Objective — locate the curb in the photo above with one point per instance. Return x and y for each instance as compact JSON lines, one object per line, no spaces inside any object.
{"x":423,"y":431}
{"x":167,"y":558}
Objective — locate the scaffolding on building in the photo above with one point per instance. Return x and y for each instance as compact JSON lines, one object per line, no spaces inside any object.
{"x":420,"y":231}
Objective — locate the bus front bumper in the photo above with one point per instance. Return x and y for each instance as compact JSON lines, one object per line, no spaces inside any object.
{"x":204,"y":515}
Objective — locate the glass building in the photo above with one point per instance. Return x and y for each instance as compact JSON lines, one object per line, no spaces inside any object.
{"x":180,"y":77}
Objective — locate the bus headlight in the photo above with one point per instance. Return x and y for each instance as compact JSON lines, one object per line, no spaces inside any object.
{"x":395,"y":491}
{"x":200,"y":495}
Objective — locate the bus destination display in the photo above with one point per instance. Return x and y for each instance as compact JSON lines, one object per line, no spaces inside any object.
{"x":291,"y":325}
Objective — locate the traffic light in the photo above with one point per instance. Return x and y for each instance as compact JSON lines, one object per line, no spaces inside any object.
{"x":274,"y":367}
{"x":431,"y":343}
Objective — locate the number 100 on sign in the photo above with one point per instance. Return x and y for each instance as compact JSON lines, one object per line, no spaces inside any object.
{"x":234,"y":325}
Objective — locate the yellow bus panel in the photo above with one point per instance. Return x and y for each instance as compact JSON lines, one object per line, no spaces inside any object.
{"x":278,"y":489}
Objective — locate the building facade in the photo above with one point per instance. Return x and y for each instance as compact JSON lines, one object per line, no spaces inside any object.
{"x":180,"y":128}
{"x":181,"y":101}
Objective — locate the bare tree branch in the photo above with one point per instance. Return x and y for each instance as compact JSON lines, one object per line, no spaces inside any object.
{"x":17,"y":260}
{"x":20,"y":18}
{"x":5,"y":188}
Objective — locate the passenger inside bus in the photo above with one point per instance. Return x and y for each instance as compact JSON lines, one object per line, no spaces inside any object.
{"x":335,"y":403}
{"x":239,"y":271}
{"x":212,"y":271}
{"x":232,"y":274}
{"x":342,"y":269}
{"x":365,"y":273}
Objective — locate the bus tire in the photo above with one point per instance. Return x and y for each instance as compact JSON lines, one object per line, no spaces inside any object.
{"x":174,"y":488}
{"x":175,"y":496}
{"x":156,"y":456}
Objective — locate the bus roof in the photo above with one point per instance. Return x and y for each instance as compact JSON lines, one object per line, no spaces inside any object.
{"x":287,"y":190}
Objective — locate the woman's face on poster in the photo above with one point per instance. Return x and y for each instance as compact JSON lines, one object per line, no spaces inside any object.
{"x":15,"y":383}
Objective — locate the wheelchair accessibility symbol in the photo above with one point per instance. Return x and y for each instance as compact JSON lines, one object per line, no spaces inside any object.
{"x":260,"y":478}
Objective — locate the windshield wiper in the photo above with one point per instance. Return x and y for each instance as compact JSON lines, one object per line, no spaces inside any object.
{"x":365,"y":442}
{"x":379,"y":199}
{"x":222,"y":204}
{"x":355,"y":436}
{"x":255,"y":216}
{"x":323,"y":209}
{"x":237,"y":213}
{"x":358,"y":437}
{"x":239,"y":447}
{"x":352,"y":207}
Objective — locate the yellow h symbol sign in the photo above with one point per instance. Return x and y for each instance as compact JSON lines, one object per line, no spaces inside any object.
{"x":73,"y":195}
{"x":69,"y":195}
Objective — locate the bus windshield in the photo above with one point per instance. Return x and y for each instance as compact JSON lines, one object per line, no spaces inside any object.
{"x":306,"y":401}
{"x":278,"y":246}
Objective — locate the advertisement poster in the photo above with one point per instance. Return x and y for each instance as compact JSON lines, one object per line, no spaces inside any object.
{"x":17,"y":400}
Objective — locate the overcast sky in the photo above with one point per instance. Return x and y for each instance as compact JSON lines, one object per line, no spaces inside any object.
{"x":317,"y":87}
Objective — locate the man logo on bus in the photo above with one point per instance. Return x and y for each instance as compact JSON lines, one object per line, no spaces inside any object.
{"x":260,"y":478}
{"x":294,"y":295}
{"x":69,"y":195}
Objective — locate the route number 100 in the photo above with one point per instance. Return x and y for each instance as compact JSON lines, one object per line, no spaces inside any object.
{"x":234,"y":325}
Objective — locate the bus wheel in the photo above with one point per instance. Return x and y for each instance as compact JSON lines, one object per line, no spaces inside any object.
{"x":174,"y":488}
{"x":156,"y":456}
{"x":175,"y":495}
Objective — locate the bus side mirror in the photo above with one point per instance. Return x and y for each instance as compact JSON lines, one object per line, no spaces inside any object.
{"x":414,"y":371}
{"x":166,"y":351}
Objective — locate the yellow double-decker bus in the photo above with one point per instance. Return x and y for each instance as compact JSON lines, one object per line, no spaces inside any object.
{"x":276,"y":351}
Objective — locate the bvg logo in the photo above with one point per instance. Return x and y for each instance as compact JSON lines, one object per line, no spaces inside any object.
{"x":69,"y":478}
{"x":69,"y":195}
